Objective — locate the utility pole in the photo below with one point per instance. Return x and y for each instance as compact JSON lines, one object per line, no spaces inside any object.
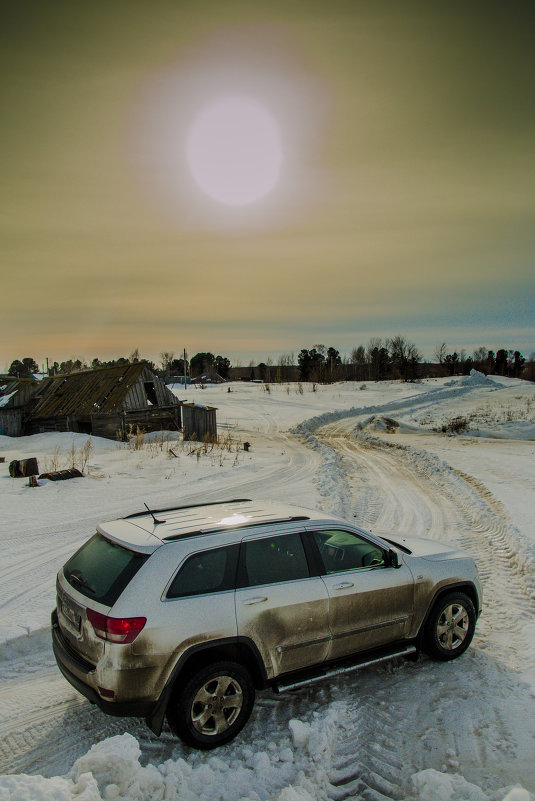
{"x":185,"y":369}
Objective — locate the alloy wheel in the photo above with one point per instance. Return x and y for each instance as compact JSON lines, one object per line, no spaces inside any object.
{"x":452,"y":626}
{"x":216,"y":705}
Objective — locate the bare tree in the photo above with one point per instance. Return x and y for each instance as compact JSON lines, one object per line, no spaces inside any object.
{"x":375,"y":342}
{"x":286,"y":360}
{"x":359,"y":363}
{"x":165,"y":359}
{"x":440,"y":352}
{"x":479,"y":357}
{"x":358,"y":355}
{"x":405,"y":357}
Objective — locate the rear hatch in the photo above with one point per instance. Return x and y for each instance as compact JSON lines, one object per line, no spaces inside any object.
{"x":93,"y":578}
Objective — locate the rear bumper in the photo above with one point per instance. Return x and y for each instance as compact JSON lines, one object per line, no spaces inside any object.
{"x":77,"y":671}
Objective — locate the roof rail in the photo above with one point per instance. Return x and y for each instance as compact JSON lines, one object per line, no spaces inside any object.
{"x":219,"y":529}
{"x":188,"y":506}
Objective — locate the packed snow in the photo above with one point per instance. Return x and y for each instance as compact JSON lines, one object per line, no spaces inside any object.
{"x":460,"y":731}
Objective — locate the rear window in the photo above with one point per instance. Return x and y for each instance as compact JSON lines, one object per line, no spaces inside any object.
{"x":101,"y":569}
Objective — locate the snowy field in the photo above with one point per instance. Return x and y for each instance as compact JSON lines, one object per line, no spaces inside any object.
{"x":424,"y":731}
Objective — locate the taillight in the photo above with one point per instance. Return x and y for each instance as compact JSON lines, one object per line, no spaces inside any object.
{"x":115,"y":629}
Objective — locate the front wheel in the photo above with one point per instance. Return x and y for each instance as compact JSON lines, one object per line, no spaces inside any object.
{"x":213,"y":706}
{"x":450,"y":627}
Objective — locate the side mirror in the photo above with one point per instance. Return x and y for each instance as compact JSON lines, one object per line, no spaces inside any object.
{"x":396,"y":559}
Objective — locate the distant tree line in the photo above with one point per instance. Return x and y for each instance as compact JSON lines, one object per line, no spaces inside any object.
{"x":391,"y":358}
{"x":398,"y":358}
{"x":199,"y":364}
{"x":503,"y":362}
{"x":381,"y":359}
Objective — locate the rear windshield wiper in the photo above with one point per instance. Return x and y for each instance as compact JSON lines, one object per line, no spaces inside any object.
{"x":77,"y":578}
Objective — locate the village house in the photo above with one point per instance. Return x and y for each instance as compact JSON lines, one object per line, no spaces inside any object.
{"x":15,"y":394}
{"x":107,"y":402}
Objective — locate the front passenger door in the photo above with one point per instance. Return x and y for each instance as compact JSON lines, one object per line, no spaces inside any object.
{"x":370,"y":602}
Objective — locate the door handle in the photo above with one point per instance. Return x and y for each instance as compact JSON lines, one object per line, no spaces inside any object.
{"x":258,"y":600}
{"x":344,"y":585}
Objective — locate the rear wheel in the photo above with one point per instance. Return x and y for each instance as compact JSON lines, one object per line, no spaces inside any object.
{"x":450,"y":627}
{"x":213,"y":705}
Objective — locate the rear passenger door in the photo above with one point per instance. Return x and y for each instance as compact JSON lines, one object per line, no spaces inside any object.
{"x":198,"y":605}
{"x":279,"y":605}
{"x":371,"y":602}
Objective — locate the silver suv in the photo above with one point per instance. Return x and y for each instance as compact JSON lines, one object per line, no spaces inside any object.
{"x":185,"y":612}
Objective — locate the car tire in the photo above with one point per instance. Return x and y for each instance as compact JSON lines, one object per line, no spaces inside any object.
{"x":450,"y":626}
{"x":212,"y":706}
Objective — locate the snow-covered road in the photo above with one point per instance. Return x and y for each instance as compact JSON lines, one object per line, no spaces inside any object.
{"x":361,"y":736}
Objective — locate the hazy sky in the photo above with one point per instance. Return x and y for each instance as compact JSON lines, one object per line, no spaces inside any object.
{"x":402,"y":192}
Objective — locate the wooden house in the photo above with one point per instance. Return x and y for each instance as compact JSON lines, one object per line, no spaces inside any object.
{"x":108,"y":402}
{"x":15,"y":394}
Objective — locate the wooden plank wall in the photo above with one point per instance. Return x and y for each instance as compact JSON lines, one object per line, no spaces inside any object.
{"x":11,"y":422}
{"x":109,"y":427}
{"x":199,"y":422}
{"x":155,"y":419}
{"x":137,"y":396}
{"x":47,"y":425}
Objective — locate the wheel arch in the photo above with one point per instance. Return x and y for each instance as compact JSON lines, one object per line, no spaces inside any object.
{"x":466,"y":587}
{"x":238,"y":649}
{"x":234,"y":649}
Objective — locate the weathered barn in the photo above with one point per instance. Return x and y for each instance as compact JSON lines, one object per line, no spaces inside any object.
{"x":15,"y":394}
{"x":199,"y":422}
{"x":107,"y":402}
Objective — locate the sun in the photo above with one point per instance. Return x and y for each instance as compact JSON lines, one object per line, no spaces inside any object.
{"x":234,"y":150}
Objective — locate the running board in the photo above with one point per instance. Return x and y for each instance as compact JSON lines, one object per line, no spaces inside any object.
{"x":283,"y":687}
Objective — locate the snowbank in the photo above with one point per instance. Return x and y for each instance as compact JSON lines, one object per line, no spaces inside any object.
{"x":430,"y":785}
{"x":378,"y":423}
{"x":111,"y":771}
{"x":388,"y":425}
{"x":517,"y":429}
{"x":293,"y":769}
{"x":475,"y":379}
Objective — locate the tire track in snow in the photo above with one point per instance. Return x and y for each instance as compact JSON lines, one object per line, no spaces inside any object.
{"x":482,"y":526}
{"x":414,"y":492}
{"x":44,"y":723}
{"x":421,"y":494}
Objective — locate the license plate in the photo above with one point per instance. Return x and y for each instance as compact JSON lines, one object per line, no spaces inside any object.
{"x":70,"y":614}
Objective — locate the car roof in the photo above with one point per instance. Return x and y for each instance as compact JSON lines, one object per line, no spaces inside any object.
{"x":146,"y":531}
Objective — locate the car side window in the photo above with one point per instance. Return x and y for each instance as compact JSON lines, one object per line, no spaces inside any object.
{"x":273,"y":559}
{"x":345,"y":550}
{"x":208,"y":571}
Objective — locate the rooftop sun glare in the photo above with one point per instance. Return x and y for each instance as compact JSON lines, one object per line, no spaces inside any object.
{"x":234,"y":519}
